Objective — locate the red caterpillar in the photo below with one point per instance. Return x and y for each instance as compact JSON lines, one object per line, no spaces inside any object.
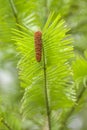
{"x":38,"y":45}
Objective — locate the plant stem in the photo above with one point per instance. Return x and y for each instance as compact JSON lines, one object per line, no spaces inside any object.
{"x":70,"y":111}
{"x":6,"y":124}
{"x":14,"y":10}
{"x":46,"y":92}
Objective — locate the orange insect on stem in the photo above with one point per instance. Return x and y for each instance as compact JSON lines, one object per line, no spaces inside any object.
{"x":38,"y":45}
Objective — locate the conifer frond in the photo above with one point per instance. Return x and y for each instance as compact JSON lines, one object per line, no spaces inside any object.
{"x":7,"y":21}
{"x":31,"y":13}
{"x":80,"y":67}
{"x":47,"y":83}
{"x":80,"y":73}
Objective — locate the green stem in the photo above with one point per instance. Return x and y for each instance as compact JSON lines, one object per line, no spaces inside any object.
{"x":6,"y":124}
{"x":70,"y":111}
{"x":14,"y":10}
{"x":46,"y":92}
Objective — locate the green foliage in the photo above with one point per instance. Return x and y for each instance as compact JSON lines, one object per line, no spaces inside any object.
{"x":10,"y":120}
{"x":63,"y":82}
{"x":80,"y":73}
{"x":31,"y":13}
{"x":80,"y":76}
{"x":7,"y":21}
{"x":77,"y":20}
{"x":80,"y":67}
{"x":64,"y":9}
{"x":57,"y":52}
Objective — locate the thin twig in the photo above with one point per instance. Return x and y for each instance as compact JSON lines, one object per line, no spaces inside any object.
{"x":14,"y":10}
{"x":46,"y":92}
{"x":6,"y":124}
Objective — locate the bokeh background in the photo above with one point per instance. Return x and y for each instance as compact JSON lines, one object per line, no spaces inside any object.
{"x":13,"y":12}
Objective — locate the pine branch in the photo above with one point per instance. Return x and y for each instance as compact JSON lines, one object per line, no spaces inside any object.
{"x":70,"y":111}
{"x":55,"y":72}
{"x":6,"y":124}
{"x":46,"y":92}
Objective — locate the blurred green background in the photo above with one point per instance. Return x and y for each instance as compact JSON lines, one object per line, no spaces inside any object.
{"x":12,"y":12}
